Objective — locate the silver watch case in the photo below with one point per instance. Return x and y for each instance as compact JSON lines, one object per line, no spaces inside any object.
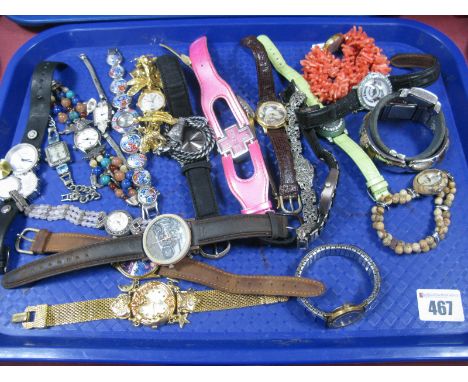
{"x":372,"y":89}
{"x":53,"y":146}
{"x":121,"y":232}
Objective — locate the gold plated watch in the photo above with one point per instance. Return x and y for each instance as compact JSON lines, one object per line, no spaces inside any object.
{"x":151,"y":304}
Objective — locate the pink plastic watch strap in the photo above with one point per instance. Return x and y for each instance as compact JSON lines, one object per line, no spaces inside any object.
{"x":236,"y":140}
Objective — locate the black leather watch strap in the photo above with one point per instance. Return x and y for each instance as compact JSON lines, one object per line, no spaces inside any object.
{"x":39,"y":109}
{"x":311,"y":117}
{"x":198,"y":172}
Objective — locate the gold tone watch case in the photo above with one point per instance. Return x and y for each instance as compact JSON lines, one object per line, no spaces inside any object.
{"x":344,"y":315}
{"x":260,"y":115}
{"x":430,"y":181}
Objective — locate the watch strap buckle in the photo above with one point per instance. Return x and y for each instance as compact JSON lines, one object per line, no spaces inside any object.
{"x":289,"y":207}
{"x":33,"y":317}
{"x":23,"y":237}
{"x":217,"y":254}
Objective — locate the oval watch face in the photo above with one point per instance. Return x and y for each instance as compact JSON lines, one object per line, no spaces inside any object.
{"x":153,"y":304}
{"x":346,"y":319}
{"x":151,"y":101}
{"x":372,"y":89}
{"x":271,"y":114}
{"x":22,"y":158}
{"x":167,"y":239}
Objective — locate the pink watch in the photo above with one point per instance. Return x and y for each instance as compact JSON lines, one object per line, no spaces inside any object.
{"x":235,"y":141}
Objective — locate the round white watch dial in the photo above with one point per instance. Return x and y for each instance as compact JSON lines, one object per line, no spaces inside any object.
{"x":151,"y":101}
{"x":8,"y":184}
{"x":86,"y":139}
{"x":22,"y":158}
{"x":118,"y":223}
{"x":29,"y":184}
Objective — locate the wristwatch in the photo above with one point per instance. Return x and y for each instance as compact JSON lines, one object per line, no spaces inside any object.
{"x":374,"y":87}
{"x":271,"y":115}
{"x":33,"y":135}
{"x":236,"y":141}
{"x":414,"y":104}
{"x":346,"y":314}
{"x":151,"y":304}
{"x":192,"y":140}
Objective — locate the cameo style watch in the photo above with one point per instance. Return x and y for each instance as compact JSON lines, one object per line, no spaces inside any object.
{"x":415,"y":104}
{"x":271,"y":115}
{"x":151,"y":304}
{"x":346,"y":314}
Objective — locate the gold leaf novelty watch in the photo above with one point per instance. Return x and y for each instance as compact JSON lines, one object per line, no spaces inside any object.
{"x":151,"y":304}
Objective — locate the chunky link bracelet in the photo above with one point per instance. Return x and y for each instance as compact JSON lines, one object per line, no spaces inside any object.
{"x":444,"y":195}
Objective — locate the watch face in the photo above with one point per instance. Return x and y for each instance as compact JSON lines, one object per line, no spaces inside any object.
{"x":118,"y":223}
{"x":167,"y":239}
{"x":29,"y":184}
{"x":153,"y":304}
{"x":430,"y":182}
{"x":57,"y":153}
{"x":346,"y":318}
{"x":151,"y":101}
{"x":271,"y":115}
{"x":101,"y":114}
{"x":372,"y":89}
{"x":8,"y":184}
{"x":22,"y":158}
{"x":332,"y":129}
{"x":123,"y":120}
{"x":137,"y":269}
{"x":87,"y":139}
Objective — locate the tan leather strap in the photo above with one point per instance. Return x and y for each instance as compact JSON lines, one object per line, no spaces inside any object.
{"x":204,"y":274}
{"x":50,"y":242}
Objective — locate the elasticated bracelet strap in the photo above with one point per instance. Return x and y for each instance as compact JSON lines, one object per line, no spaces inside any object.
{"x":375,"y":182}
{"x":197,"y":173}
{"x":436,"y":123}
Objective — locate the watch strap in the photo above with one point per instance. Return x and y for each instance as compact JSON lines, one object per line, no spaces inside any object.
{"x":101,"y":309}
{"x":375,"y":182}
{"x":201,"y":187}
{"x":8,"y":212}
{"x":50,"y":242}
{"x":178,"y":102}
{"x":266,"y":84}
{"x":175,"y":86}
{"x":421,"y":78}
{"x":39,"y":108}
{"x":204,"y":274}
{"x":288,"y":187}
{"x":285,"y":70}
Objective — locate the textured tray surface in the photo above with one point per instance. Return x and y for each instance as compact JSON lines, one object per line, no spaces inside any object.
{"x":278,"y":333}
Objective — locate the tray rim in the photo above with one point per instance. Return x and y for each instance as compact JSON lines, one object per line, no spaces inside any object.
{"x":288,"y":353}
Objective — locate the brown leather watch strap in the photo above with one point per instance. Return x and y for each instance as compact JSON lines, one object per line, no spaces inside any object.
{"x":204,"y":274}
{"x":50,"y":242}
{"x":288,"y":184}
{"x":266,"y":84}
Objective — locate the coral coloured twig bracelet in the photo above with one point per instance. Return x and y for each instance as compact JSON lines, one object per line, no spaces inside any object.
{"x":434,"y":182}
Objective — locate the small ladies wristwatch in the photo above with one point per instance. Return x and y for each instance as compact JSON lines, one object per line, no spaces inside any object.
{"x":346,"y":314}
{"x":272,"y":116}
{"x":413,"y":104}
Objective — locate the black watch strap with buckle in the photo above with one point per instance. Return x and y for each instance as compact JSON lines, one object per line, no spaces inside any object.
{"x":197,"y":172}
{"x":311,"y":117}
{"x":39,"y":109}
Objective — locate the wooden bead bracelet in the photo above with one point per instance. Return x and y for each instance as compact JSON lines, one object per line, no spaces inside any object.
{"x":443,"y":199}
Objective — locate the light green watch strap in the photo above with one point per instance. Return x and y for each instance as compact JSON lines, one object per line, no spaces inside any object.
{"x":286,"y":71}
{"x":375,"y":182}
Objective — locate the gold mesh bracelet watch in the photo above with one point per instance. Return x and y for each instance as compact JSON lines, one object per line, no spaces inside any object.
{"x":151,"y":304}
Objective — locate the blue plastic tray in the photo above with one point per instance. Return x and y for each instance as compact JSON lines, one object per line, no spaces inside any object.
{"x":41,"y":20}
{"x":282,"y":333}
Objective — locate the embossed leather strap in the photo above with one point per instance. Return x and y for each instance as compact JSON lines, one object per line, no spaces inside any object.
{"x":41,"y":90}
{"x":198,"y":172}
{"x":312,"y":117}
{"x":288,"y":187}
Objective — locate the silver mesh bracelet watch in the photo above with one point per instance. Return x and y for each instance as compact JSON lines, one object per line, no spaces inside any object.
{"x":346,"y":314}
